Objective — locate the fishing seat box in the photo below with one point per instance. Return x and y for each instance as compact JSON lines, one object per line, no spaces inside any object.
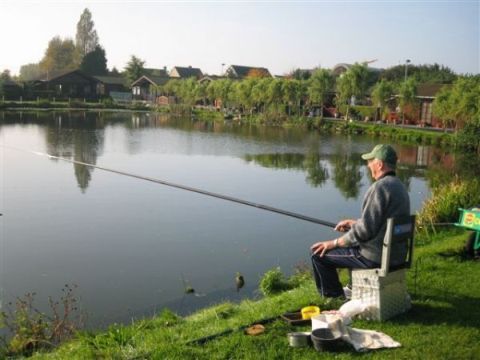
{"x":385,"y":288}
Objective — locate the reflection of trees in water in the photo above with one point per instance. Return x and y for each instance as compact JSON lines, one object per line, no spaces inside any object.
{"x":317,"y":173}
{"x":443,"y":170}
{"x":346,"y":168}
{"x":347,"y":176}
{"x":78,"y":136}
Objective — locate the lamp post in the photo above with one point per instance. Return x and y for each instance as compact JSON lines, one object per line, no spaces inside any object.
{"x":222,"y":69}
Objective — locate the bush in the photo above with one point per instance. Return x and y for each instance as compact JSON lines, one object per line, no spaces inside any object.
{"x":363,"y":111}
{"x":32,"y":330}
{"x":445,"y":200}
{"x":274,"y":282}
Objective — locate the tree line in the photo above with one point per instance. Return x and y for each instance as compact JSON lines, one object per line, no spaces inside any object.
{"x":455,"y":105}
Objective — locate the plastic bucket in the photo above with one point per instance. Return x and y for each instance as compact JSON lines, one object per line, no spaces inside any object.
{"x":309,"y":311}
{"x":325,"y":340}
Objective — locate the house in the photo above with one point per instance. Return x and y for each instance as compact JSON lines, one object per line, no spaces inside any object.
{"x":426,"y":93}
{"x":11,"y":90}
{"x":66,"y":84}
{"x":179,"y":72}
{"x":146,"y":87}
{"x":109,"y":84}
{"x":421,"y":114}
{"x":242,"y":72}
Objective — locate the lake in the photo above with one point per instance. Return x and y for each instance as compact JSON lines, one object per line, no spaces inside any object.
{"x":133,"y":246}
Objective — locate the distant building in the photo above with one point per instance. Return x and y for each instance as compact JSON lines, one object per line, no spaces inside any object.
{"x":109,"y":84}
{"x":66,"y":84}
{"x":11,"y":90}
{"x":242,"y":72}
{"x":179,"y":72}
{"x":422,"y":114}
{"x":146,"y":87}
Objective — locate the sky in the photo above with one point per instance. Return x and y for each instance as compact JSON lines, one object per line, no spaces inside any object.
{"x":278,"y":35}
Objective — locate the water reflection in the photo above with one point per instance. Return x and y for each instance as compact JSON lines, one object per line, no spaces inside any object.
{"x":133,"y":247}
{"x":77,"y":136}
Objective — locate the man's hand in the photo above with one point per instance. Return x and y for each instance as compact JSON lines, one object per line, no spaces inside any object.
{"x":345,"y":225}
{"x":322,"y":247}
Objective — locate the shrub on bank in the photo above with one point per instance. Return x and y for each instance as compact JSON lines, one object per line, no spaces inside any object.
{"x":443,"y":205}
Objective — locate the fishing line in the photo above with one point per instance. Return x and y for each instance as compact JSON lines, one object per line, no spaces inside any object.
{"x":187,"y":188}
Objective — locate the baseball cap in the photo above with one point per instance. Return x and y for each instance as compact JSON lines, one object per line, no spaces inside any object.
{"x":383,"y":152}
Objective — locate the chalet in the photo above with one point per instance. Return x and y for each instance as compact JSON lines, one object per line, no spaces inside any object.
{"x":67,"y":84}
{"x":179,"y":72}
{"x":421,"y":114}
{"x":146,"y":87}
{"x":11,"y":90}
{"x":108,"y":84}
{"x":242,"y":72}
{"x":426,"y":93}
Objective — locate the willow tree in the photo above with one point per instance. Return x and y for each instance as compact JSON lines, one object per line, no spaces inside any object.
{"x":259,"y":93}
{"x":408,"y":94}
{"x":320,"y":84}
{"x":275,"y":94}
{"x":442,"y":107}
{"x":243,"y":93}
{"x":352,"y":84}
{"x":382,"y":92}
{"x":289,"y":89}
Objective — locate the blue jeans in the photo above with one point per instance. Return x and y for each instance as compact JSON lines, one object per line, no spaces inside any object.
{"x":325,"y":268}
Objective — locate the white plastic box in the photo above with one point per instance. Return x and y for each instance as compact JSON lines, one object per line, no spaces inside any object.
{"x":387,"y":295}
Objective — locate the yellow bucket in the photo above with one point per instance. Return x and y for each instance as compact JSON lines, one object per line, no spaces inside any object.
{"x":310,"y":311}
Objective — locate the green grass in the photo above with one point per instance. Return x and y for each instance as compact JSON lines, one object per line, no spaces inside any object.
{"x":444,"y":322}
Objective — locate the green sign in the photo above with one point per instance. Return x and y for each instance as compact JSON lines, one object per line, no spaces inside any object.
{"x":470,"y":219}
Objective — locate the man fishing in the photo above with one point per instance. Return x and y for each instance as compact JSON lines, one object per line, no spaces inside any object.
{"x":361,"y":245}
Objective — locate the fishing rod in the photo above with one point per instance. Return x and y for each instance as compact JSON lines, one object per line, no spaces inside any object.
{"x":188,"y":188}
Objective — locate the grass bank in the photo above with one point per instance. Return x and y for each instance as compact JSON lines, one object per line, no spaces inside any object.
{"x":444,"y":322}
{"x":423,"y":136}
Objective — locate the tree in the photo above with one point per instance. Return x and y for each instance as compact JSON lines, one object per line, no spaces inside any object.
{"x":382,"y":91}
{"x":134,"y":69}
{"x":427,"y":73}
{"x":86,"y":38}
{"x":458,"y":104}
{"x":442,"y":107}
{"x":30,"y":72}
{"x":95,"y":62}
{"x":352,"y":84}
{"x":4,"y":77}
{"x":289,"y":89}
{"x":299,"y":74}
{"x":275,"y":93}
{"x":259,"y":92}
{"x":243,"y":92}
{"x":320,"y":84}
{"x":114,"y":72}
{"x":59,"y":56}
{"x":408,"y":93}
